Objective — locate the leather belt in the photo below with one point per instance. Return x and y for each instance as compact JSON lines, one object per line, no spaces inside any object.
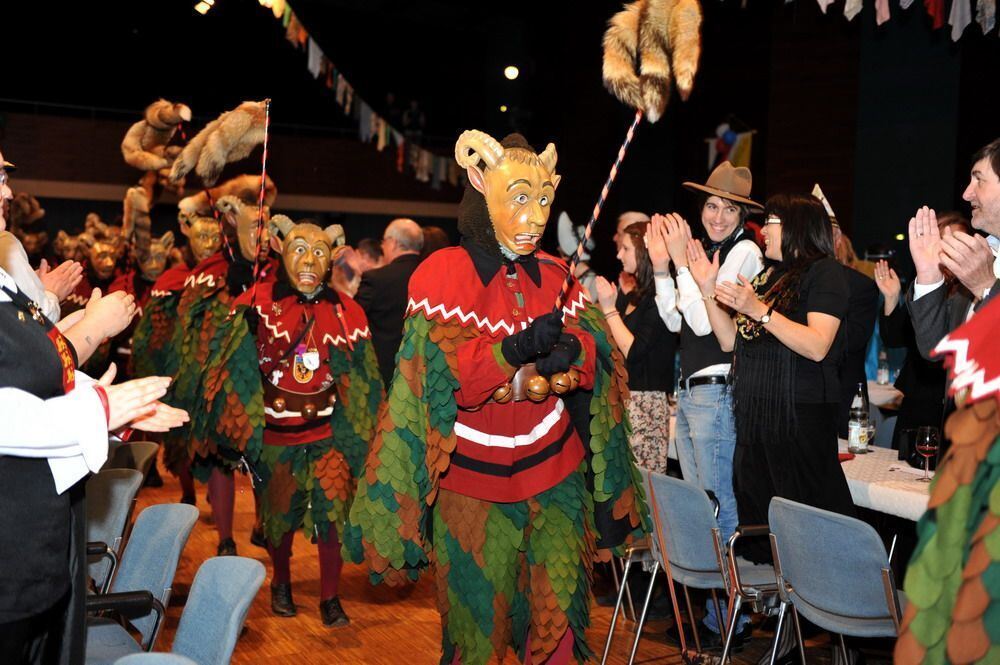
{"x":308,"y":404}
{"x":714,"y":379}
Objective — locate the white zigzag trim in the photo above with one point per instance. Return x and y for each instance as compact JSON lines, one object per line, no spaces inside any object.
{"x":156,"y":293}
{"x":200,"y":278}
{"x":77,"y":299}
{"x":967,"y":371}
{"x":570,"y":309}
{"x":327,"y":338}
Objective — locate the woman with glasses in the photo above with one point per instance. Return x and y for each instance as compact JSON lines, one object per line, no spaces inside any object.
{"x":785,"y":329}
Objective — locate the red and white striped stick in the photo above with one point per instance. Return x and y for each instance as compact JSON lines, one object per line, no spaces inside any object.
{"x":568,"y":282}
{"x":260,"y":201}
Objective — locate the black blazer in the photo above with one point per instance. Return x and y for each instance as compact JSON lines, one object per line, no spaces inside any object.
{"x":937,"y":314}
{"x":383,"y":295}
{"x":859,"y":325}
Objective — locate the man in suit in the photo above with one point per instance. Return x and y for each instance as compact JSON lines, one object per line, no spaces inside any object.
{"x":382,"y":293}
{"x":970,"y":258}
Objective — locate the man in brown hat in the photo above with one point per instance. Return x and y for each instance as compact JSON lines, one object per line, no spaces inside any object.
{"x":706,"y":431}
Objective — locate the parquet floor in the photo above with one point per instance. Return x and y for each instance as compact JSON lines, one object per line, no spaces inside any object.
{"x":388,"y":626}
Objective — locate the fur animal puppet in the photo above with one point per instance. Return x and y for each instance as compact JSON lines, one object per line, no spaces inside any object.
{"x":149,"y":253}
{"x":244,"y":187}
{"x":145,"y":144}
{"x":68,"y":247}
{"x":228,"y":138}
{"x":645,"y":45}
{"x":25,"y":212}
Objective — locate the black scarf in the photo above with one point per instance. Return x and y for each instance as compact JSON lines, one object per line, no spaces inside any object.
{"x":724,"y":245}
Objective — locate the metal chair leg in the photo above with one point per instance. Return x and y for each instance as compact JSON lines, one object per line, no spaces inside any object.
{"x":734,"y":613}
{"x":777,"y":632}
{"x":694,"y":625}
{"x":618,"y":605}
{"x":723,"y":621}
{"x":798,"y":634}
{"x":645,"y":606}
{"x":843,"y":649}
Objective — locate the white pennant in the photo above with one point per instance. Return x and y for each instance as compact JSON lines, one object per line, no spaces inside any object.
{"x":823,"y":4}
{"x":959,"y":18}
{"x":986,"y":14}
{"x":852,"y":8}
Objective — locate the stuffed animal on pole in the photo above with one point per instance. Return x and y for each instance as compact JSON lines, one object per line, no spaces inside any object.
{"x":229,"y":138}
{"x":244,"y":187}
{"x":148,"y":253}
{"x":649,"y":44}
{"x":145,"y":144}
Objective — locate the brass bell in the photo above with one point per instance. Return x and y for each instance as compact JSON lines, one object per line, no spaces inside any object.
{"x":538,"y":388}
{"x":574,"y":377}
{"x":309,"y":411}
{"x":561,"y":383}
{"x":332,"y":399}
{"x":278,"y":404}
{"x":503,"y":394}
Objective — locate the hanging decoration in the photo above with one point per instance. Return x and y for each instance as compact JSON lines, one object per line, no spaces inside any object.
{"x":372,"y":128}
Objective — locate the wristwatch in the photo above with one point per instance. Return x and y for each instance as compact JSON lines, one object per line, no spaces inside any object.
{"x":767,"y":316}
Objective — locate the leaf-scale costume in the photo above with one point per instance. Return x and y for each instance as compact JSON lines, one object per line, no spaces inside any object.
{"x":509,"y":499}
{"x":953,"y":580}
{"x":294,"y":386}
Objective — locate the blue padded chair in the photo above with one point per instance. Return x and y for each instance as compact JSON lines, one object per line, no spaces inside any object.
{"x":834,"y":571}
{"x":110,"y":501}
{"x":138,"y":455}
{"x":216,"y":608}
{"x":147,"y":569}
{"x":154,"y":659}
{"x":686,"y":518}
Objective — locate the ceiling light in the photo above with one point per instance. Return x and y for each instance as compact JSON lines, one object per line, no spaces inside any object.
{"x":900,"y":236}
{"x":511,"y":72}
{"x":503,"y":108}
{"x":202,"y":7}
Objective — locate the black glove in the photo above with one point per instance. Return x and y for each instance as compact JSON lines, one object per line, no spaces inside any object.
{"x":538,"y":338}
{"x":561,"y":357}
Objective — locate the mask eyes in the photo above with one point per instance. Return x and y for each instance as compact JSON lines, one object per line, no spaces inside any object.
{"x":521,"y":199}
{"x":544,"y":201}
{"x":318,"y":253}
{"x":300,"y":250}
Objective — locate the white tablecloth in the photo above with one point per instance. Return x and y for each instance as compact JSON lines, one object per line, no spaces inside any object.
{"x":874,"y":485}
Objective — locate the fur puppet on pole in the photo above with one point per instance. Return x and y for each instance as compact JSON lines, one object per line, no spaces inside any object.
{"x":229,"y":138}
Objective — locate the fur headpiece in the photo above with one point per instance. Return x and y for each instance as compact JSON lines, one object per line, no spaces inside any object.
{"x":229,"y":138}
{"x":145,"y":143}
{"x":641,"y":45}
{"x":244,"y":187}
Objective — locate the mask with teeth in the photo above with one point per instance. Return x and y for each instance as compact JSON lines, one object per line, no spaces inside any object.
{"x":305,"y":251}
{"x":517,"y":184}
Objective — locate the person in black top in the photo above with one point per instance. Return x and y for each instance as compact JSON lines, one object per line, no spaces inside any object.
{"x":382,"y":293}
{"x":648,"y":347}
{"x":788,"y":342}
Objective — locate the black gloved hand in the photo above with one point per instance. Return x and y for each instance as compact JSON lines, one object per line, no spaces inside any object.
{"x":538,"y":338}
{"x":561,"y":357}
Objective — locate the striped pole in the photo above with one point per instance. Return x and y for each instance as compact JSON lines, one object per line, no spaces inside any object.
{"x":260,"y":201}
{"x":580,"y":248}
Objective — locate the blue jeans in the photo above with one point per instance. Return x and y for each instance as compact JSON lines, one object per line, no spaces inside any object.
{"x":706,"y":441}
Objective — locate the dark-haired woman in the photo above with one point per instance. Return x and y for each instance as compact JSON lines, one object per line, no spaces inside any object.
{"x":648,"y":347}
{"x":788,"y":342}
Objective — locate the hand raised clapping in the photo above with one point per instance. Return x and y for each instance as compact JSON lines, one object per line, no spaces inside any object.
{"x":741,"y":298}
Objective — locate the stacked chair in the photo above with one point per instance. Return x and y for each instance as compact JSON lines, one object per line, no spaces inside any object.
{"x":110,"y":502}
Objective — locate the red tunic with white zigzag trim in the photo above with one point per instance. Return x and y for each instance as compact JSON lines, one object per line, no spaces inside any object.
{"x":504,"y":452}
{"x":289,"y":329}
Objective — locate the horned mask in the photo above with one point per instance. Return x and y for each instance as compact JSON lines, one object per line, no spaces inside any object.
{"x":305,"y":251}
{"x":517,"y":184}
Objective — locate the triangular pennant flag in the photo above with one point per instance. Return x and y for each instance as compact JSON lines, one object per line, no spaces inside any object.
{"x":986,"y":15}
{"x":314,"y":58}
{"x":818,"y":193}
{"x":881,"y":11}
{"x":286,"y":16}
{"x":935,"y":9}
{"x":905,"y":4}
{"x":852,"y":8}
{"x":823,"y":5}
{"x":739,"y":154}
{"x":959,"y":18}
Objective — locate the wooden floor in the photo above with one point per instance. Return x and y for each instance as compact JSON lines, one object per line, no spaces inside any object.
{"x":388,"y":626}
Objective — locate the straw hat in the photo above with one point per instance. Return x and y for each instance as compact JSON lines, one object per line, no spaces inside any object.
{"x":729,"y":182}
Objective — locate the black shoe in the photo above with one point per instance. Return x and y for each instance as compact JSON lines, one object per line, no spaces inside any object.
{"x":281,"y":600}
{"x":153,"y":478}
{"x":257,"y":538}
{"x":713,"y":640}
{"x":227,"y":547}
{"x":189,"y":499}
{"x":333,"y":614}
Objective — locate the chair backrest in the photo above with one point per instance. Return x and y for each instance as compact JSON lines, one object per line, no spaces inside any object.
{"x":686,"y":517}
{"x":110,"y":497}
{"x":138,"y":455}
{"x":154,"y":659}
{"x":216,"y":608}
{"x":831,"y":561}
{"x":150,"y":559}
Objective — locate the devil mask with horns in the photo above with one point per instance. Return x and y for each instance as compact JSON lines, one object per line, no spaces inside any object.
{"x":305,"y":252}
{"x":511,"y":193}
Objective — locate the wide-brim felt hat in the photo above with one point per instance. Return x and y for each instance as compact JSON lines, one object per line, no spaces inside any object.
{"x":729,"y":182}
{"x":7,"y":166}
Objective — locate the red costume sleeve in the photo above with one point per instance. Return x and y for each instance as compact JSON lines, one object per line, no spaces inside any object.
{"x":481,"y":370}
{"x":585,"y":362}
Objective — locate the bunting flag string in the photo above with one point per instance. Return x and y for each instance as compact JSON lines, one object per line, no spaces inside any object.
{"x":959,"y":16}
{"x":372,"y":128}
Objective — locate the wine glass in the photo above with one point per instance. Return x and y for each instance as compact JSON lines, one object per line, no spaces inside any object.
{"x":927,"y":445}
